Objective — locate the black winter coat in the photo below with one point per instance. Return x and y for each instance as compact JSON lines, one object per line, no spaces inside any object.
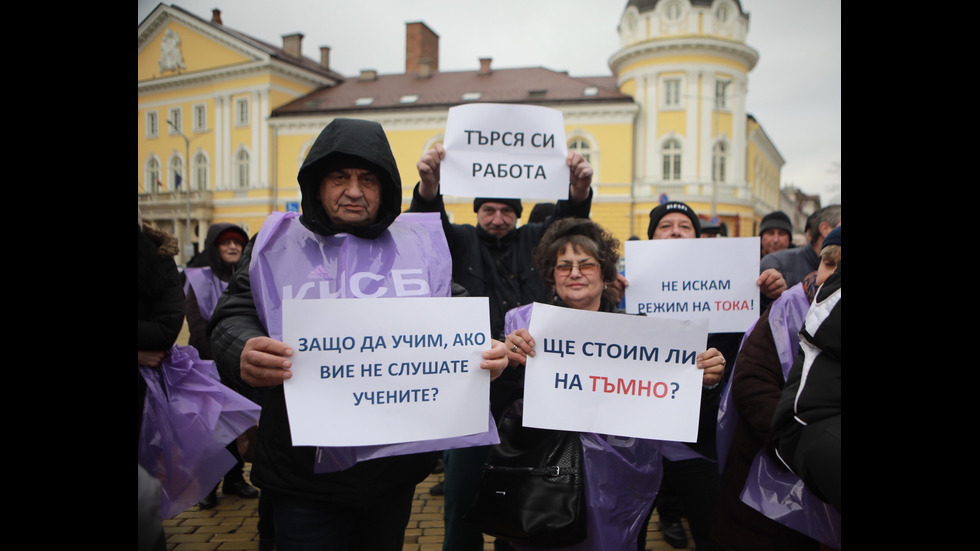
{"x":280,"y":467}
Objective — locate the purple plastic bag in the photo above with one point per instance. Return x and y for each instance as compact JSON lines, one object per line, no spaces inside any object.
{"x":188,"y":419}
{"x":290,"y":262}
{"x":207,"y":288}
{"x":782,"y":496}
{"x":330,"y":460}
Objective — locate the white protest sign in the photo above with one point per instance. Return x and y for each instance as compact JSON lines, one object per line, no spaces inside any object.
{"x":614,"y":374}
{"x":513,"y":151}
{"x":384,"y":371}
{"x":695,"y":278}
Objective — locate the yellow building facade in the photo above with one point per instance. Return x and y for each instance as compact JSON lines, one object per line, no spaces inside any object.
{"x":205,"y":93}
{"x":669,"y":122}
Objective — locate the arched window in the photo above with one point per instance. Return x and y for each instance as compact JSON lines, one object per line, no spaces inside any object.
{"x":672,"y":161}
{"x":718,"y":156}
{"x":583,"y":148}
{"x":241,"y":168}
{"x":200,"y":171}
{"x":152,"y":183}
{"x":176,"y":173}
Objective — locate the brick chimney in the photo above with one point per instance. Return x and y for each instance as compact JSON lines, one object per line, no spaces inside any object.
{"x":293,"y":44}
{"x":485,"y":65}
{"x":420,"y":43}
{"x":216,"y":16}
{"x":325,"y":56}
{"x":425,"y":68}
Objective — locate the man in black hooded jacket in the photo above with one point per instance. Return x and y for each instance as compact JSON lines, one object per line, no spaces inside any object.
{"x":350,"y":184}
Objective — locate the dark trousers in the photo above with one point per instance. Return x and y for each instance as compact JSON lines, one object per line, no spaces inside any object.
{"x":697,"y":485}
{"x":464,"y":467}
{"x":379,"y":526}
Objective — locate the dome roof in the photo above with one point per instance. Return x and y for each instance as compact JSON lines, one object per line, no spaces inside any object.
{"x":648,"y":5}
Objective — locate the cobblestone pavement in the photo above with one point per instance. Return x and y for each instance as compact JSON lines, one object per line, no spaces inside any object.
{"x":232,"y":525}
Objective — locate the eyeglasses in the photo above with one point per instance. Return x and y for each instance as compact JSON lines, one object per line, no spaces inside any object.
{"x":584,"y":268}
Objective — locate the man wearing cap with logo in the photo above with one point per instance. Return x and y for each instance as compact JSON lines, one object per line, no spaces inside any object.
{"x":492,"y":259}
{"x":695,"y":483}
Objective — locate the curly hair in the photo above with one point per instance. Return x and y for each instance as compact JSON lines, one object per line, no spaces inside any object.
{"x":585,"y":236}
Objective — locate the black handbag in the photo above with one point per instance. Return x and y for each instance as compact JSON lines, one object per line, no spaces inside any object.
{"x":533,"y":489}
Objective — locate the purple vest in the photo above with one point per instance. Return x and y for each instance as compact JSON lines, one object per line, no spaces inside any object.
{"x":207,"y":289}
{"x":622,"y":476}
{"x":411,"y":258}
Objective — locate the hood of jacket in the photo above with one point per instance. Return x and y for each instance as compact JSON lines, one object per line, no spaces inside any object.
{"x":222,"y":269}
{"x":350,"y":143}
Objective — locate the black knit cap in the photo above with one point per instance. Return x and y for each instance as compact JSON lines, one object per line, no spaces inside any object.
{"x":512,"y":203}
{"x":670,"y":207}
{"x":776,"y":220}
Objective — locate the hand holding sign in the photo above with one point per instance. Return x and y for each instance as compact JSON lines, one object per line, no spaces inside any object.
{"x":695,"y":278}
{"x":614,"y":374}
{"x":580,"y":174}
{"x":358,"y":382}
{"x":514,"y":151}
{"x":428,"y":167}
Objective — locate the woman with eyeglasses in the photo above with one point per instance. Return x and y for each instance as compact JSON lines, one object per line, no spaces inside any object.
{"x":578,"y":258}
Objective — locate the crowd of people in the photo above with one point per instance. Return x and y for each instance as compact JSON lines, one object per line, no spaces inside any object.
{"x":352,"y":193}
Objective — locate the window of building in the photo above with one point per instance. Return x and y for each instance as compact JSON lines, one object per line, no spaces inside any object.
{"x":364,"y":101}
{"x":631,"y":23}
{"x":672,"y":161}
{"x":471,"y":96}
{"x":719,"y":155}
{"x":721,"y":94}
{"x":152,"y":183}
{"x":409,"y":98}
{"x":241,"y":112}
{"x":673,"y":11}
{"x":200,"y":117}
{"x":590,"y":91}
{"x":152,"y":124}
{"x":721,"y":13}
{"x":200,"y":171}
{"x":672,"y":92}
{"x":176,"y":173}
{"x":241,"y":169}
{"x":583,"y":148}
{"x":175,"y":116}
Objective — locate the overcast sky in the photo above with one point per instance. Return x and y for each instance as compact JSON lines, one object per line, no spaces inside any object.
{"x":794,"y":90}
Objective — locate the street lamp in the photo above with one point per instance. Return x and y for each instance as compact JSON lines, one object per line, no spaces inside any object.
{"x":188,"y":244}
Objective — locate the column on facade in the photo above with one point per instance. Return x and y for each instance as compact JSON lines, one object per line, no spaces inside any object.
{"x":691,"y":152}
{"x":222,"y":137}
{"x":737,"y":158}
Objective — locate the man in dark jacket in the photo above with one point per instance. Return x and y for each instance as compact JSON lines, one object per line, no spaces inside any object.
{"x":492,"y":259}
{"x":350,"y":185}
{"x":795,"y":263}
